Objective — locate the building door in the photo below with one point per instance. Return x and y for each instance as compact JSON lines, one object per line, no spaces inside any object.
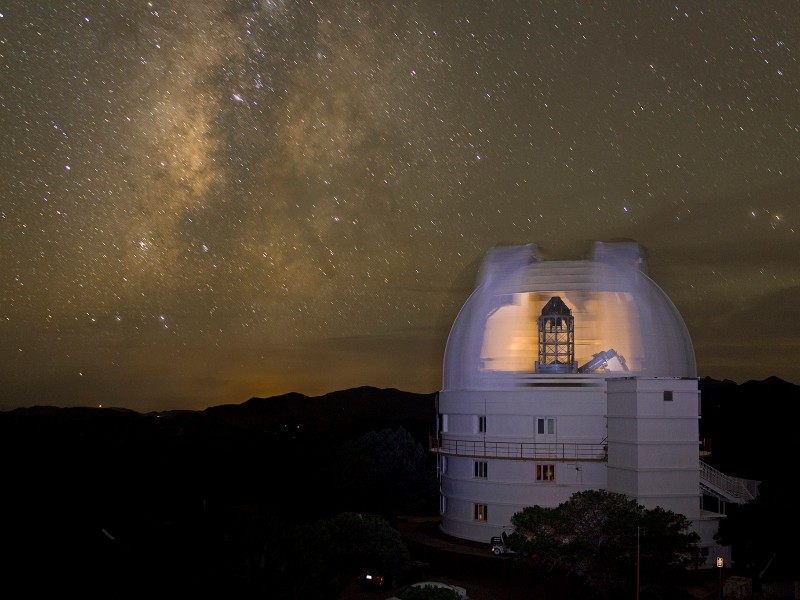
{"x":545,"y":437}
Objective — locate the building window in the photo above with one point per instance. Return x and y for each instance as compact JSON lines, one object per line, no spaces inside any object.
{"x":482,"y":424}
{"x":481,"y":512}
{"x":442,"y":464}
{"x":545,"y":472}
{"x":546,"y":426}
{"x":442,"y":504}
{"x":443,"y":423}
{"x":667,"y":395}
{"x":481,"y":469}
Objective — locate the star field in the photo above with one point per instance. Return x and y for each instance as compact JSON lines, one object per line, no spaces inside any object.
{"x":206,"y":201}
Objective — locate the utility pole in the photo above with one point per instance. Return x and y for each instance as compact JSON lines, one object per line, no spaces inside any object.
{"x":638,"y":560}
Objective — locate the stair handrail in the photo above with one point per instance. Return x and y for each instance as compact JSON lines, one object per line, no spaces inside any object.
{"x":736,"y":487}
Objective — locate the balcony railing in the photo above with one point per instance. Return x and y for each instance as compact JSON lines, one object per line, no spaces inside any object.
{"x":559,"y":451}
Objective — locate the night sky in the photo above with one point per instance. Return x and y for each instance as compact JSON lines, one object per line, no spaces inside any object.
{"x":206,"y":201}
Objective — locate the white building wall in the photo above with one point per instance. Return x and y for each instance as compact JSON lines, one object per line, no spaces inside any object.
{"x":578,"y":405}
{"x":653,"y":442}
{"x":509,"y":487}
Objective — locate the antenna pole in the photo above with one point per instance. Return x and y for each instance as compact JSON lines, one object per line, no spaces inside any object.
{"x":638,"y":555}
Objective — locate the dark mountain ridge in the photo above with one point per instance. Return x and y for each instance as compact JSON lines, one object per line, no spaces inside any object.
{"x":747,"y":415}
{"x":331,"y":417}
{"x":88,"y":459}
{"x":743,"y":425}
{"x":749,"y":428}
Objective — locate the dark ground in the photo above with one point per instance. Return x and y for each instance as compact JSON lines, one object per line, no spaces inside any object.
{"x":483,"y":575}
{"x":466,"y":564}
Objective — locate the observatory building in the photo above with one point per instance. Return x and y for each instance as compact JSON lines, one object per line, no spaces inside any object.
{"x":565,"y":376}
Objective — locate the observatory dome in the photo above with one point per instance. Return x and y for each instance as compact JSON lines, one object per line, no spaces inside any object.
{"x":624,"y":324}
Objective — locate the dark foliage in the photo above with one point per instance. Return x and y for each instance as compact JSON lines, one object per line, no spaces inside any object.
{"x":763,"y":534}
{"x":316,"y":560}
{"x":595,"y":537}
{"x":745,"y":427}
{"x":386,"y":472}
{"x":115,"y":503}
{"x":428,"y":592}
{"x":749,"y":436}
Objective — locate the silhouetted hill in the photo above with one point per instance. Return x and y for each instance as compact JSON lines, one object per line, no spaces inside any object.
{"x":101,"y":459}
{"x":334,"y":416}
{"x":81,"y":484}
{"x":749,"y":426}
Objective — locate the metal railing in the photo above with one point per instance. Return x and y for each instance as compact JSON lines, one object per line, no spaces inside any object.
{"x":559,"y":451}
{"x":734,"y":487}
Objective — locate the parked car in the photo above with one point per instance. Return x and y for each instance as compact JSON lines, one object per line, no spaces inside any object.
{"x":376,"y":579}
{"x":500,"y":545}
{"x":388,"y":579}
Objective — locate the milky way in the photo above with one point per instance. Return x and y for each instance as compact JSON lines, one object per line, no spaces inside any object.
{"x":206,"y":201}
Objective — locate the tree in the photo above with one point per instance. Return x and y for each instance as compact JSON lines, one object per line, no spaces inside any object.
{"x":384,"y":472}
{"x":316,"y":560}
{"x":763,"y":533}
{"x":593,"y":537}
{"x":428,"y":592}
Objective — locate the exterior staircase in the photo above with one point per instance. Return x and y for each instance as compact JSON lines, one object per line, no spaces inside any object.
{"x":725,"y":487}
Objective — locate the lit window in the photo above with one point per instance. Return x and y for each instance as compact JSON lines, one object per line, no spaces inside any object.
{"x":481,"y":512}
{"x":481,"y":469}
{"x":482,"y":424}
{"x":545,"y":472}
{"x":443,"y":464}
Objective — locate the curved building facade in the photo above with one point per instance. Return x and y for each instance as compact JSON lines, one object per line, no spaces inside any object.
{"x":564,"y":376}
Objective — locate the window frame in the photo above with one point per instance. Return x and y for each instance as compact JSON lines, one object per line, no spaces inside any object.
{"x":542,"y":425}
{"x":545,"y":472}
{"x":481,"y":424}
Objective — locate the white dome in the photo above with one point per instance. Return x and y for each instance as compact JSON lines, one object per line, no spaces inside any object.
{"x":618,"y":311}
